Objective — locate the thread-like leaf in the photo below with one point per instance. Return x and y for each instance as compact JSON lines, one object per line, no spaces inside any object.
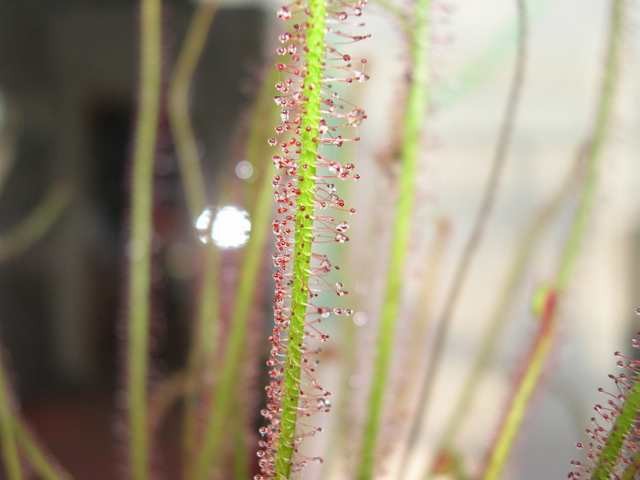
{"x":311,"y":112}
{"x":612,"y":449}
{"x":224,"y":390}
{"x":571,"y":248}
{"x":524,"y":389}
{"x":10,"y":457}
{"x":140,"y":255}
{"x":412,"y":130}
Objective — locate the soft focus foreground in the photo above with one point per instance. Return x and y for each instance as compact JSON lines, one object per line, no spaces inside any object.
{"x":113,"y":367}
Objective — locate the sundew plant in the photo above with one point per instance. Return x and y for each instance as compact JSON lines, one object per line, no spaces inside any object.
{"x":319,"y":240}
{"x":309,"y":212}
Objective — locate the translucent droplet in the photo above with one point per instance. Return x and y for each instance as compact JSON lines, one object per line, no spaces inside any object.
{"x":284,"y":13}
{"x":284,"y":37}
{"x":324,"y":403}
{"x":341,"y":238}
{"x":360,"y":76}
{"x":356,"y":116}
{"x":342,"y":227}
{"x":244,"y":170}
{"x":340,"y":291}
{"x":637,"y":311}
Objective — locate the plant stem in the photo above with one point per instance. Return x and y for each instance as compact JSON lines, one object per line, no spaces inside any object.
{"x":413,"y":124}
{"x":10,"y":457}
{"x":35,"y":454}
{"x":626,"y":420}
{"x":303,"y":236}
{"x":517,"y":407}
{"x":612,"y":66}
{"x":624,"y":424}
{"x":528,"y":244}
{"x":181,"y":125}
{"x":421,"y":315}
{"x":140,"y":243}
{"x":14,"y":433}
{"x":205,"y":331}
{"x":477,"y":233}
{"x":24,"y":235}
{"x":225,"y":389}
{"x":525,"y":387}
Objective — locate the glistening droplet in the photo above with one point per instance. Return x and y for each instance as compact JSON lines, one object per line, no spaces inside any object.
{"x":203,"y":225}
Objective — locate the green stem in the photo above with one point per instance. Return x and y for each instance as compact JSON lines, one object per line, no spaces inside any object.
{"x":523,"y":256}
{"x":517,"y":407}
{"x":204,"y":339}
{"x":224,"y":391}
{"x":24,"y":235}
{"x":205,"y":332}
{"x":601,"y":129}
{"x":477,"y":233}
{"x":524,"y":389}
{"x":303,"y":237}
{"x":141,"y":226}
{"x":413,"y":124}
{"x":625,"y":422}
{"x":613,"y":447}
{"x":14,"y":432}
{"x":10,"y":457}
{"x":35,"y":454}
{"x":181,"y":126}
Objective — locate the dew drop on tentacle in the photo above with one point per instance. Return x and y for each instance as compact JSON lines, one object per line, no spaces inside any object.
{"x":342,"y":227}
{"x":324,"y":403}
{"x":284,"y":13}
{"x":340,"y":291}
{"x":341,"y":238}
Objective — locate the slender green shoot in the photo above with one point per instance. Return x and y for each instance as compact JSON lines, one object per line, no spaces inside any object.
{"x":140,"y":243}
{"x":309,"y":127}
{"x":606,"y":103}
{"x":523,"y":256}
{"x":534,"y":365}
{"x":37,"y":457}
{"x":613,"y":447}
{"x":224,"y":390}
{"x":10,"y":457}
{"x":525,"y":387}
{"x":205,"y":332}
{"x":27,"y":233}
{"x":179,"y":117}
{"x":413,"y":125}
{"x":474,"y":241}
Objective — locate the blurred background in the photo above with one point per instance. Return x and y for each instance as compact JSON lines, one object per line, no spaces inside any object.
{"x":68,"y":72}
